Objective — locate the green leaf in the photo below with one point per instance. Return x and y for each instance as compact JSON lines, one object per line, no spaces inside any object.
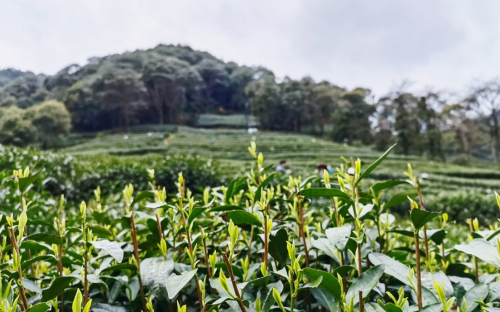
{"x":175,"y":283}
{"x":390,"y":307}
{"x":436,"y":307}
{"x":437,"y":236}
{"x":40,"y":307}
{"x":266,"y":295}
{"x":392,"y":267}
{"x":57,"y":287}
{"x":314,"y":283}
{"x":34,"y":245}
{"x":328,"y":282}
{"x":142,"y":195}
{"x":27,"y":263}
{"x":46,"y":238}
{"x":324,"y":192}
{"x":380,"y":186}
{"x":338,"y":236}
{"x":343,"y":270}
{"x":420,"y":217}
{"x":375,"y":165}
{"x":99,"y":230}
{"x":196,"y":212}
{"x":277,"y":246}
{"x":262,"y":185}
{"x":325,"y":299}
{"x":114,"y":249}
{"x":154,"y":273}
{"x":121,"y":266}
{"x":325,"y":246}
{"x":476,"y":293}
{"x":24,"y":183}
{"x":31,"y":286}
{"x":227,"y":208}
{"x":401,"y":197}
{"x":365,"y":283}
{"x":481,"y":249}
{"x":243,"y":217}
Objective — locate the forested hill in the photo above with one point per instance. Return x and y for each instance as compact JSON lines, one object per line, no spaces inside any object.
{"x":144,"y":86}
{"x":173,"y":84}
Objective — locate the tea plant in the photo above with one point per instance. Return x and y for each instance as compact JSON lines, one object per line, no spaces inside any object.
{"x":263,"y":242}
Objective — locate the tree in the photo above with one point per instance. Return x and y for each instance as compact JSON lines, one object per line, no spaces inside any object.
{"x":15,"y":127}
{"x":323,"y":105}
{"x":265,"y":100}
{"x":167,"y":81}
{"x":351,"y":122}
{"x":52,"y":121}
{"x":122,"y":93}
{"x":484,"y":100}
{"x":216,"y":89}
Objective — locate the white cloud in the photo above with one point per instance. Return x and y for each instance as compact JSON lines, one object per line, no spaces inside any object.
{"x":375,"y":44}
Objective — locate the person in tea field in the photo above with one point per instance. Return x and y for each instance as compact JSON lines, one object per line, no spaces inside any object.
{"x":281,"y":167}
{"x":322,"y":167}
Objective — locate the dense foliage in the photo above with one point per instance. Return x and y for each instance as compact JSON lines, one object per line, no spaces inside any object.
{"x":262,"y":242}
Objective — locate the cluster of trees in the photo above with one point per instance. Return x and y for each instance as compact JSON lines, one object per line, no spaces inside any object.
{"x":174,"y":84}
{"x":44,"y":124}
{"x":167,"y":84}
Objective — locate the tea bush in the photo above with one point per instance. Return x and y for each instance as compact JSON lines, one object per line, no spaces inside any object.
{"x":262,"y":242}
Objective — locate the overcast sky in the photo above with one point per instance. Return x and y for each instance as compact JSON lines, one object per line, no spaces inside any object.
{"x":439,"y":44}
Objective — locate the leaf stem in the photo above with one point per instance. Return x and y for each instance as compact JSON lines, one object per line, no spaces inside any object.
{"x":233,"y":281}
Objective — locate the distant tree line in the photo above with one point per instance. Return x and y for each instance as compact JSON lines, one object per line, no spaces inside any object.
{"x":174,"y":84}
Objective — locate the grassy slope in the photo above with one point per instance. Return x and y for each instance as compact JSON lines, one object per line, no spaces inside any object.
{"x":302,"y":153}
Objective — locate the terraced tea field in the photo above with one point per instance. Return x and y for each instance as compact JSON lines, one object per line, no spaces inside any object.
{"x":302,"y":152}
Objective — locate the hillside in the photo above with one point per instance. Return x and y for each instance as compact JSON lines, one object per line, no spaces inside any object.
{"x":302,"y":152}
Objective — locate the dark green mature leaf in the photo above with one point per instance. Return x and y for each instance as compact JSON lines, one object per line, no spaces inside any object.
{"x":365,"y":283}
{"x":390,"y":307}
{"x":196,"y":212}
{"x":114,"y":249}
{"x":227,"y":208}
{"x":24,"y":183}
{"x":314,"y":283}
{"x":48,"y":258}
{"x":175,"y":283}
{"x":380,"y":186}
{"x":343,"y":270}
{"x":142,"y":195}
{"x":401,"y":197}
{"x":46,"y":238}
{"x":40,"y":307}
{"x":482,"y":249}
{"x":376,"y":163}
{"x":154,"y":273}
{"x":373,"y":307}
{"x":243,"y":217}
{"x":437,"y":236}
{"x":328,"y":282}
{"x":57,"y":287}
{"x":325,"y":299}
{"x":324,"y":192}
{"x":476,"y":293}
{"x":403,"y":232}
{"x":266,"y":295}
{"x":420,"y":217}
{"x":34,"y":245}
{"x":277,"y":246}
{"x":392,"y":267}
{"x":100,"y":230}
